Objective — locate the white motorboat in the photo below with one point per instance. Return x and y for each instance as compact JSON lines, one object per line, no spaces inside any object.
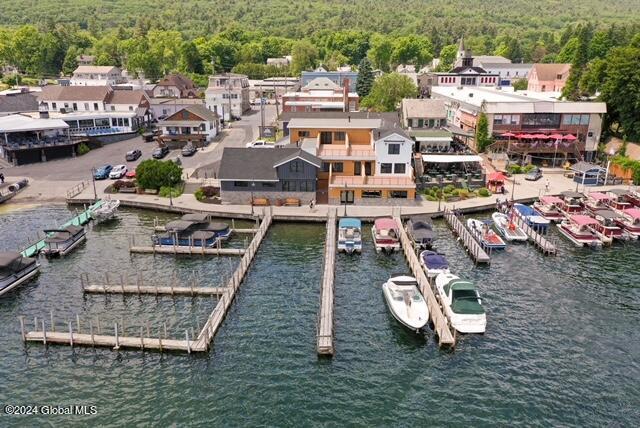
{"x":106,"y":211}
{"x":386,"y":235}
{"x":405,"y":302}
{"x":508,"y":228}
{"x":15,"y":270}
{"x":461,"y":303}
{"x":434,"y":263}
{"x":579,"y":229}
{"x":350,"y":235}
{"x":487,"y":237}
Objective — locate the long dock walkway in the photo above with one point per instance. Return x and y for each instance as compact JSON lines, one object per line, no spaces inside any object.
{"x":475,"y":250}
{"x":325,"y":317}
{"x":191,"y":250}
{"x":440,"y":324}
{"x":539,"y":241}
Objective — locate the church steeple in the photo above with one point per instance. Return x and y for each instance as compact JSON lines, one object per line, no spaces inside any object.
{"x":464,"y":56}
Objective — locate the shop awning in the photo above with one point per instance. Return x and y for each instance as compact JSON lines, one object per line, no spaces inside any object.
{"x":450,"y":158}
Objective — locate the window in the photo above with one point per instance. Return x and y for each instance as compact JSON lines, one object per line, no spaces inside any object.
{"x":54,"y":106}
{"x":225,"y":96}
{"x":130,"y":108}
{"x":306,"y":186}
{"x":575,"y":119}
{"x":240,"y":184}
{"x":544,"y":120}
{"x":399,"y":168}
{"x":234,"y":96}
{"x":584,"y":119}
{"x":114,"y":121}
{"x":303,"y":134}
{"x":86,"y":123}
{"x":394,"y":149}
{"x":372,"y":193}
{"x":295,"y":166}
{"x":506,"y":119}
{"x":468,"y":81}
{"x":75,"y":106}
{"x":431,"y":123}
{"x":385,"y":168}
{"x":185,"y":114}
{"x":102,"y":122}
{"x":338,"y":167}
{"x":357,"y":168}
{"x":289,"y":186}
{"x":325,"y":166}
{"x":66,"y":105}
{"x":95,"y":106}
{"x":420,"y":123}
{"x":339,"y":136}
{"x":113,"y":108}
{"x":325,"y":138}
{"x":269,"y":185}
{"x":399,"y":194}
{"x":559,"y":76}
{"x":86,"y":106}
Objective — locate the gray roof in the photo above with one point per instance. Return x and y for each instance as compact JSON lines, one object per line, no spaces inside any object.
{"x":18,"y":103}
{"x":432,"y":108}
{"x":388,"y":119}
{"x":258,"y":164}
{"x":586,"y":167}
{"x":618,"y":192}
{"x":607,"y":213}
{"x":385,"y":132}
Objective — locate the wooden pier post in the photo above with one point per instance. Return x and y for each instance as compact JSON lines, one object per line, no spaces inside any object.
{"x":78,"y":322}
{"x":93,"y":341}
{"x":44,"y":334}
{"x":53,"y":324}
{"x":116,"y":334}
{"x":21,"y":318}
{"x":186,"y":332}
{"x":70,"y":335}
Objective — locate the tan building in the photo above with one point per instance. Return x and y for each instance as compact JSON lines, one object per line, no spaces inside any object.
{"x":548,"y":77}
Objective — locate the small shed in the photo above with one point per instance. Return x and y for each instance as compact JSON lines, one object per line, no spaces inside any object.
{"x":588,"y":173}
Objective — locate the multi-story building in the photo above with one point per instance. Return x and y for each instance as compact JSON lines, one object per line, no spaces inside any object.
{"x":548,"y":77}
{"x":272,"y":88}
{"x":365,"y":160}
{"x":228,"y":95}
{"x":193,"y":124}
{"x":321,"y":94}
{"x":337,"y":77}
{"x":161,"y":108}
{"x":527,"y":123}
{"x":175,"y":86}
{"x":96,"y":75}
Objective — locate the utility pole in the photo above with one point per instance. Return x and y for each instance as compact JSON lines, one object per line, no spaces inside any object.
{"x":261,"y":112}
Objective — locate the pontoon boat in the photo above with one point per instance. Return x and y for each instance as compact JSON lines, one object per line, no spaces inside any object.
{"x":386,"y":235}
{"x":350,"y":235}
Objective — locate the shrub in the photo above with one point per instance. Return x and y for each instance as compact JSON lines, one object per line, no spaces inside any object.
{"x":154,"y":174}
{"x":528,"y":168}
{"x":514,"y":169}
{"x":449,"y":188}
{"x":83,"y":149}
{"x":210,"y":191}
{"x":199,"y":194}
{"x":430,"y":198}
{"x":484,"y":192}
{"x":165,"y":191}
{"x":123,"y":184}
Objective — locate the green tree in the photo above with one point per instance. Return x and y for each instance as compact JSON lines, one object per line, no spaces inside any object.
{"x":600,"y":45}
{"x":154,"y":174}
{"x":335,"y":60}
{"x":276,"y":47}
{"x":305,"y":56}
{"x":251,"y":52}
{"x":70,"y":60}
{"x":568,"y":51}
{"x":520,"y":84}
{"x":572,"y":88}
{"x":352,"y":44}
{"x":190,"y":60}
{"x":447,"y":57}
{"x":365,"y":78}
{"x":380,"y":52}
{"x":416,"y":50}
{"x":593,"y":76}
{"x":483,"y":139}
{"x":387,"y":92}
{"x":26,"y":49}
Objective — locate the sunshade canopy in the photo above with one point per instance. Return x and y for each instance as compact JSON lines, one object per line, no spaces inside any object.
{"x":385,"y":223}
{"x":551,"y":200}
{"x":350,"y":222}
{"x":583,"y":220}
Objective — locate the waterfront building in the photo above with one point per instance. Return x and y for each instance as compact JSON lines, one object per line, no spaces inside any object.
{"x":161,"y":108}
{"x":548,"y":77}
{"x":423,"y":113}
{"x":193,"y":124}
{"x":526,"y":123}
{"x":268,"y":176}
{"x":175,"y":86}
{"x":228,"y":95}
{"x":337,"y":77}
{"x":284,"y":61}
{"x":96,"y":75}
{"x":321,"y":94}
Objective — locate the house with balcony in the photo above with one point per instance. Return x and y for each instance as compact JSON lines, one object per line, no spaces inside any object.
{"x":228,"y":95}
{"x":96,"y":75}
{"x":366,"y":159}
{"x":193,"y":124}
{"x":175,"y":86}
{"x":321,"y":94}
{"x":548,"y":77}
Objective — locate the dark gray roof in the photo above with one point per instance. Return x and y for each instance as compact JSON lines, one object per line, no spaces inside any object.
{"x":388,"y":119}
{"x":619,"y":192}
{"x":607,"y":213}
{"x":18,"y":103}
{"x":462,"y":69}
{"x":258,"y":164}
{"x":583,"y":166}
{"x":385,"y":132}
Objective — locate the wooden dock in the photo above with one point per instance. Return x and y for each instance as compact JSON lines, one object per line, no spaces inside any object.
{"x":154,"y":290}
{"x":473,"y":247}
{"x":539,"y":241}
{"x":191,"y":250}
{"x":325,"y":317}
{"x":440,"y":323}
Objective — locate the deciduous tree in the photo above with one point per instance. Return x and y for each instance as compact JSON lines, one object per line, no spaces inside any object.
{"x":388,"y":90}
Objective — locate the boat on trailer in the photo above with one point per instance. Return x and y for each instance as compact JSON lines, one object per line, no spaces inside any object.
{"x":608,"y":229}
{"x":487,"y":237}
{"x":508,"y":228}
{"x":531,"y":217}
{"x":461,"y":303}
{"x":579,"y":229}
{"x":433,"y":263}
{"x":630,"y":222}
{"x":106,"y":211}
{"x":350,"y":235}
{"x":549,"y":208}
{"x":405,"y":302}
{"x":60,"y":242}
{"x":386,"y":235}
{"x":15,"y":269}
{"x":597,"y":201}
{"x":620,"y":199}
{"x":420,"y":231}
{"x":572,"y":203}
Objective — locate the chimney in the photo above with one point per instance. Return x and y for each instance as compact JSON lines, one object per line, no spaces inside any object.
{"x":345,"y":94}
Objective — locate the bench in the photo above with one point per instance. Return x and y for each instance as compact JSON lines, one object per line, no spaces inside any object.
{"x":260,"y":202}
{"x":128,"y":190}
{"x":292,"y":202}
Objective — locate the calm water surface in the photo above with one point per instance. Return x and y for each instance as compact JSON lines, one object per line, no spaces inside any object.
{"x":562,"y":345}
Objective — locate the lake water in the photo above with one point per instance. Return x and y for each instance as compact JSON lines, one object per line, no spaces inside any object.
{"x":562,"y":345}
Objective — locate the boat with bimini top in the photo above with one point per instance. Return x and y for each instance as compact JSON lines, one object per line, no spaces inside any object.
{"x":549,"y":208}
{"x":386,"y":236}
{"x":607,"y":229}
{"x":60,"y":242}
{"x":15,"y":269}
{"x":630,"y":222}
{"x":193,"y":230}
{"x":350,"y":235}
{"x":620,"y":199}
{"x":579,"y":229}
{"x":597,"y":201}
{"x":572,"y":203}
{"x":531,"y":217}
{"x":420,"y":231}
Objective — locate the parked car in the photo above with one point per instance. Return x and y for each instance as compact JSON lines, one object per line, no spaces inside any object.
{"x":102,"y":173}
{"x":533,"y":175}
{"x":133,"y":155}
{"x":117,"y":172}
{"x":260,"y":144}
{"x":160,"y":152}
{"x":131,"y":174}
{"x":189,"y":150}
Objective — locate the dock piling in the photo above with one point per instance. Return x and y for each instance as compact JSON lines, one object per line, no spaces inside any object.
{"x":53,"y":324}
{"x":21,"y":318}
{"x":44,"y":334}
{"x":70,"y":335}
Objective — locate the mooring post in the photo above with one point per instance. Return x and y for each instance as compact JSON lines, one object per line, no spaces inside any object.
{"x":106,"y":274}
{"x":164,"y":324}
{"x":148,"y":329}
{"x":124,"y":329}
{"x":141,"y":338}
{"x":93,"y":342}
{"x":53,"y":324}
{"x":233,"y":223}
{"x":70,"y":334}
{"x":116,"y":333}
{"x":44,"y":334}
{"x":186,"y":333}
{"x":99,"y":328}
{"x":78,"y":322}
{"x":21,"y":318}
{"x":160,"y":339}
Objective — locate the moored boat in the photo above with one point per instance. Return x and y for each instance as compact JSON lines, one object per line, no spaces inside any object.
{"x":60,"y":242}
{"x":531,"y":217}
{"x":461,"y":303}
{"x":15,"y":269}
{"x":619,"y":199}
{"x":350,"y":235}
{"x":420,"y":232}
{"x":597,"y":201}
{"x":106,"y":211}
{"x":201,"y":221}
{"x":549,"y":208}
{"x":634,"y":197}
{"x":386,"y":235}
{"x":405,"y":302}
{"x":508,"y":228}
{"x":578,"y":228}
{"x":487,"y":237}
{"x":433,"y":263}
{"x":607,"y":229}
{"x":630,"y":222}
{"x":572,"y":203}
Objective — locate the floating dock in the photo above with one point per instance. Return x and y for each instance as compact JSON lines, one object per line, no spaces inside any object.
{"x":539,"y":241}
{"x":325,"y":317}
{"x":440,"y":323}
{"x":473,"y":247}
{"x":191,"y":250}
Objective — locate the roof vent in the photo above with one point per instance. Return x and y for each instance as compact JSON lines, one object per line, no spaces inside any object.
{"x":470,"y":94}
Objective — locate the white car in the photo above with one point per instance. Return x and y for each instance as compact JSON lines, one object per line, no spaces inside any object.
{"x":118,"y":171}
{"x":260,"y":144}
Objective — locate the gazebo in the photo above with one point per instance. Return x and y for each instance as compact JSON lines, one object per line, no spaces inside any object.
{"x":496,"y":180}
{"x":588,"y":173}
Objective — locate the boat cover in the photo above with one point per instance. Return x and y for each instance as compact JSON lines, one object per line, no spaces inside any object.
{"x":598,"y":196}
{"x":583,"y":220}
{"x":217,"y":227}
{"x":548,"y":200}
{"x":525,"y":210}
{"x":618,"y":192}
{"x":609,"y":214}
{"x":572,"y":195}
{"x":203,"y":234}
{"x":634,"y":213}
{"x":349,"y":222}
{"x":421,"y":230}
{"x":8,"y":258}
{"x":179,"y":225}
{"x":434,"y":260}
{"x":385,"y":223}
{"x":195,"y":217}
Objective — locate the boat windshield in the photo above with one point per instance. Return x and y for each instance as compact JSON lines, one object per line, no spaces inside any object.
{"x":466,"y":302}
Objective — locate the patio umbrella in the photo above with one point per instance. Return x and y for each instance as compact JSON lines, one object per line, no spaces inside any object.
{"x":497,"y":176}
{"x":540,"y":136}
{"x":555,"y":136}
{"x":570,"y":137}
{"x":508,"y":134}
{"x":525,"y":136}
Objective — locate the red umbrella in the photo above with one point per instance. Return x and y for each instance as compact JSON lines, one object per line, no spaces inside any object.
{"x":525,"y":136}
{"x":555,"y":136}
{"x":540,"y":136}
{"x":497,"y":176}
{"x":508,"y":134}
{"x":569,"y":137}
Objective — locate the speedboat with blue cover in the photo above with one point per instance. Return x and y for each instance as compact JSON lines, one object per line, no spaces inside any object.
{"x":531,"y":217}
{"x":434,"y":263}
{"x":15,"y":270}
{"x":350,"y":235}
{"x":461,"y":303}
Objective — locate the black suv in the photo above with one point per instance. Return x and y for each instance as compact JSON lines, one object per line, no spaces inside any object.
{"x":160,"y":152}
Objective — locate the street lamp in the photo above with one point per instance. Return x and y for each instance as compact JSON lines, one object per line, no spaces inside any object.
{"x":440,"y":179}
{"x":172,"y":178}
{"x":345,"y":199}
{"x":93,"y":179}
{"x":253,"y":185}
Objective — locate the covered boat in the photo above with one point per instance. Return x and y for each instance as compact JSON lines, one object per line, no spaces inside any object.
{"x":630,"y":221}
{"x":531,"y":217}
{"x":487,"y":237}
{"x":405,"y":302}
{"x":634,"y":197}
{"x":433,"y":263}
{"x":607,"y":229}
{"x":572,"y":203}
{"x":597,"y":201}
{"x":350,"y":235}
{"x":461,"y":303}
{"x":15,"y":270}
{"x":386,"y":235}
{"x":106,"y":211}
{"x":420,"y":231}
{"x":620,"y":199}
{"x":579,"y":229}
{"x":192,"y":233}
{"x":549,"y":208}
{"x":508,"y":228}
{"x":60,"y":242}
{"x":202,"y":221}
